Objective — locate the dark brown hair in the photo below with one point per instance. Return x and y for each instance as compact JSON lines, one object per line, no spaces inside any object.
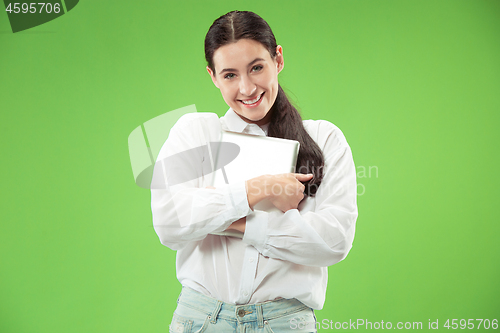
{"x":285,"y":122}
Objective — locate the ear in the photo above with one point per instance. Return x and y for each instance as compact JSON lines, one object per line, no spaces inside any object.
{"x":214,"y":80}
{"x":279,"y":58}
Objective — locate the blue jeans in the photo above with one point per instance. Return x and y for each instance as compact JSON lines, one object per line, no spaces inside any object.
{"x":198,"y":313}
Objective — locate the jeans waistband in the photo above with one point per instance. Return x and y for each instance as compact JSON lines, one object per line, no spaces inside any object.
{"x":259,"y":312}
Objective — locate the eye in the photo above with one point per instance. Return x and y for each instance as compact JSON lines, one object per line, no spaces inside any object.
{"x":257,"y":68}
{"x":229,"y":76}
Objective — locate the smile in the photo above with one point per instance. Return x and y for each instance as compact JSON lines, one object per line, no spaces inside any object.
{"x":252,"y":101}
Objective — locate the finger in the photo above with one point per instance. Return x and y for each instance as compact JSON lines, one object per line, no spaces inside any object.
{"x":303,"y":177}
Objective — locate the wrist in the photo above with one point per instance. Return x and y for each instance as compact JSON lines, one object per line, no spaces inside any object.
{"x":257,"y":189}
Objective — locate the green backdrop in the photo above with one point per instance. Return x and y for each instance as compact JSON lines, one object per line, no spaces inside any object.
{"x":414,"y":86}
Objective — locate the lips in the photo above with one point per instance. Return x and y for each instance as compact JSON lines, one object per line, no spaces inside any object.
{"x":252,"y":101}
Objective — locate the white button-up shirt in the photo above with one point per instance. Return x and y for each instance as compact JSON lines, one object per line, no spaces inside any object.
{"x":281,"y":254}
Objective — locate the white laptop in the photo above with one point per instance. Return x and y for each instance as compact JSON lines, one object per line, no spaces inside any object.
{"x":257,"y":156}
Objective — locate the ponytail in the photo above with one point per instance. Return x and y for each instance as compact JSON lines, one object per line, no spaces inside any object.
{"x":286,"y":123}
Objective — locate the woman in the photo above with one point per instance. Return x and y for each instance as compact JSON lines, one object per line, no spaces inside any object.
{"x":273,"y":278}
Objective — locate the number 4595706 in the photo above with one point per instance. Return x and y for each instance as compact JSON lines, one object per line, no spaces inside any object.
{"x":32,"y":8}
{"x":470,"y":324}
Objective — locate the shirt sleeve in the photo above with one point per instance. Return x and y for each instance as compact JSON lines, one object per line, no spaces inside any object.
{"x":183,"y":209}
{"x":322,"y":236}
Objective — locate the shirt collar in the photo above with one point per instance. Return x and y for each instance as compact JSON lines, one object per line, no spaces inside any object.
{"x":234,"y":123}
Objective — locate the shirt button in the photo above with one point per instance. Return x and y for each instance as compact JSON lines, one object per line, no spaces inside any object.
{"x":251,"y":260}
{"x":241,"y":312}
{"x":245,"y":293}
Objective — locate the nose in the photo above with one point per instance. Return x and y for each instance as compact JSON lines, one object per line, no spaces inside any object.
{"x":247,"y":87}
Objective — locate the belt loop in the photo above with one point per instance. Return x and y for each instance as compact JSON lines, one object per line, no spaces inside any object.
{"x":215,"y":313}
{"x":179,"y":298}
{"x":260,"y":317}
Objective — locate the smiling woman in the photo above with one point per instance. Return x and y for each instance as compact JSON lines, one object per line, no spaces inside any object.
{"x":247,"y":77}
{"x":276,"y":275}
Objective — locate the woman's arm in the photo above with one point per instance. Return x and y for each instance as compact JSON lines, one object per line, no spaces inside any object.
{"x":185,"y":211}
{"x":322,"y":236}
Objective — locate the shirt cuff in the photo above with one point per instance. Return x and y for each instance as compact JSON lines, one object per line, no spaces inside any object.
{"x":256,"y":233}
{"x":237,"y":198}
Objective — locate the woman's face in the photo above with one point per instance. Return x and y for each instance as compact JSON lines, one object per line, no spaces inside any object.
{"x":247,"y":77}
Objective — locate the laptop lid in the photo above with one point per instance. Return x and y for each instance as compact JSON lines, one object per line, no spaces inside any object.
{"x":258,"y":155}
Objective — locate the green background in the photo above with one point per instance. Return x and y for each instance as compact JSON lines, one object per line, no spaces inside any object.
{"x":414,"y":86}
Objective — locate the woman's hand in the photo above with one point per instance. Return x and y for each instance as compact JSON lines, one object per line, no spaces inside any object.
{"x":285,"y":191}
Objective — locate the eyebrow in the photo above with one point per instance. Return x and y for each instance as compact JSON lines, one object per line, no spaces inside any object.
{"x":234,"y":70}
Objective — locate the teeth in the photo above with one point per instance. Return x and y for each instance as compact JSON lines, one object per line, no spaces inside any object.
{"x":252,"y":101}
